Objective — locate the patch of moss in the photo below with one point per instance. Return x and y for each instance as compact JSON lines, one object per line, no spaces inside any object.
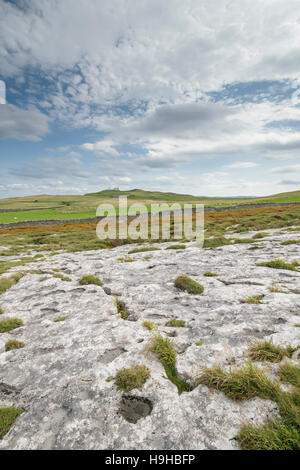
{"x":10,"y":324}
{"x":7,"y":418}
{"x":90,"y":279}
{"x":58,"y":320}
{"x":268,"y":351}
{"x":13,"y":344}
{"x":1,"y":311}
{"x":199,"y":343}
{"x":149,"y":325}
{"x":278,"y":264}
{"x":209,"y":274}
{"x":176,"y":323}
{"x":128,"y":379}
{"x":187,"y":284}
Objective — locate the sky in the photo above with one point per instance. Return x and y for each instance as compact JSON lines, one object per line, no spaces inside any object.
{"x":196,"y":97}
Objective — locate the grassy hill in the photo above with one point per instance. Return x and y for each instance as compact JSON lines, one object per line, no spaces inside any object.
{"x":50,"y":207}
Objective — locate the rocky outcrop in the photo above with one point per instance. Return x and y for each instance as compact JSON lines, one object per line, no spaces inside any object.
{"x":61,"y":378}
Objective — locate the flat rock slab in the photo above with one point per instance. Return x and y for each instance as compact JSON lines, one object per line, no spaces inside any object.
{"x":61,"y":378}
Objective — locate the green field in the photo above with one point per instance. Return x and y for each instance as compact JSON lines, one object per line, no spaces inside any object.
{"x":84,"y":206}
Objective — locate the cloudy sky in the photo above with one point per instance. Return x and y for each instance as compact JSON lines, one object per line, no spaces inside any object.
{"x":193,"y":96}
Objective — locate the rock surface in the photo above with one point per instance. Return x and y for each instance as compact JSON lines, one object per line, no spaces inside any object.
{"x":60,"y":377}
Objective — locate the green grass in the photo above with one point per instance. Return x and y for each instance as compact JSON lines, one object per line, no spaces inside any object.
{"x":1,"y":311}
{"x":121,"y":309}
{"x":259,"y":235}
{"x":129,"y":379}
{"x":215,"y":242}
{"x":290,"y":373}
{"x":240,"y":384}
{"x":176,"y":323}
{"x":249,"y":382}
{"x":209,"y":274}
{"x":142,"y":250}
{"x":126,"y":260}
{"x":62,"y":277}
{"x":10,"y":324}
{"x":276,"y":290}
{"x":274,"y":435}
{"x":13,"y":344}
{"x":7,"y":282}
{"x":268,"y":351}
{"x":290,"y":242}
{"x":60,"y":319}
{"x":253,"y":299}
{"x":149,"y":325}
{"x":199,"y":343}
{"x":187,"y":284}
{"x":163,"y":349}
{"x":176,"y":247}
{"x":278,"y":264}
{"x":90,"y":279}
{"x":7,"y":418}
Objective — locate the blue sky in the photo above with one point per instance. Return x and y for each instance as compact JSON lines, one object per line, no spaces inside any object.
{"x":181,"y":95}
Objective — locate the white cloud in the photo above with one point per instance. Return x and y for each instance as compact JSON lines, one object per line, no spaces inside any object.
{"x":104,"y":147}
{"x":22,"y":124}
{"x":241,"y":165}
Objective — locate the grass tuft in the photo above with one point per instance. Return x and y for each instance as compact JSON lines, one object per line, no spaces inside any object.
{"x":189,"y":285}
{"x":240,"y":384}
{"x":176,"y":247}
{"x":58,"y":320}
{"x":128,"y":379}
{"x":126,"y":260}
{"x":274,"y":289}
{"x":209,"y":274}
{"x":290,"y":373}
{"x":89,"y":279}
{"x":257,"y":299}
{"x":10,"y":324}
{"x":149,"y":325}
{"x":62,"y":277}
{"x":13,"y":344}
{"x":274,"y":435}
{"x":260,"y":235}
{"x":216,"y":242}
{"x":163,"y":349}
{"x":121,"y":309}
{"x":7,"y":282}
{"x":278,"y":264}
{"x":268,"y":351}
{"x":176,"y":323}
{"x":142,"y":250}
{"x":7,"y":419}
